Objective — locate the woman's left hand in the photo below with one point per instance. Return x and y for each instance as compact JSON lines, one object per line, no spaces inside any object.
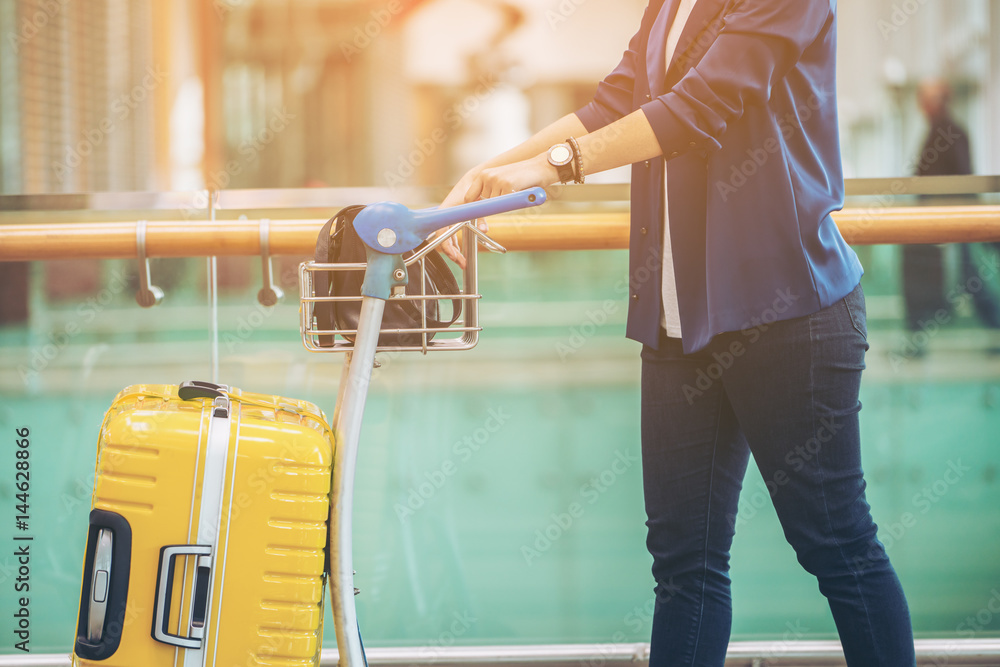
{"x":508,"y":178}
{"x":493,"y":182}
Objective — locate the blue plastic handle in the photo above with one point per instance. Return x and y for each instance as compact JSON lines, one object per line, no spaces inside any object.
{"x":410,"y":228}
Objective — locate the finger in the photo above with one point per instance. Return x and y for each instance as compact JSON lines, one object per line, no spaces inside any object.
{"x":475,"y":191}
{"x":451,"y":251}
{"x":481,"y":223}
{"x":449,"y":246}
{"x":452,"y":199}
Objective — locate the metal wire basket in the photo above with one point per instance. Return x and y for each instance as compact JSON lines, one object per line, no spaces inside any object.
{"x":462,"y":335}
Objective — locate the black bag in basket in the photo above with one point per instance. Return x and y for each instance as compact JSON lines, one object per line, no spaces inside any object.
{"x":339,"y":243}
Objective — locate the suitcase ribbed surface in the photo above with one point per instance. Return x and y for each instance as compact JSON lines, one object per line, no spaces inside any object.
{"x":267,"y":600}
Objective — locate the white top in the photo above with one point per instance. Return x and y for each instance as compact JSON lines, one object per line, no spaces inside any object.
{"x":671,"y":318}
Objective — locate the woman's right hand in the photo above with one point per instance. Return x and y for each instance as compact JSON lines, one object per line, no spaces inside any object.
{"x":455,"y":197}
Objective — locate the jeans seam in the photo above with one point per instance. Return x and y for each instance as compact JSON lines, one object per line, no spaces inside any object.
{"x":708,"y":527}
{"x":853,"y":318}
{"x":822,"y":483}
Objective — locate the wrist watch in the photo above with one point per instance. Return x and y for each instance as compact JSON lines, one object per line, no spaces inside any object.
{"x":561,"y":157}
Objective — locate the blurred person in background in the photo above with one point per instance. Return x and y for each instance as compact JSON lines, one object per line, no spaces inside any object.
{"x":945,"y":152}
{"x":747,"y":302}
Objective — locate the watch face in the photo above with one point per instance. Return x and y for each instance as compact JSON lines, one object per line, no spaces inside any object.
{"x":560,"y":154}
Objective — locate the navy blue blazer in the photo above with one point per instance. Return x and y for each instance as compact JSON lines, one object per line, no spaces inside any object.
{"x":746,"y":115}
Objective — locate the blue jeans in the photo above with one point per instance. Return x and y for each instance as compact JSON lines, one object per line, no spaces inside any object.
{"x":786,"y":392}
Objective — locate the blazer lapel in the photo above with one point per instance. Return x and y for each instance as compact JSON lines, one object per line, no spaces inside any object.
{"x":706,"y":17}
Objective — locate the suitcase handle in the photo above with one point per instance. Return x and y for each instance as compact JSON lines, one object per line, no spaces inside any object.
{"x":104,"y":590}
{"x":100,"y":583}
{"x":164,"y":591}
{"x":193,"y":389}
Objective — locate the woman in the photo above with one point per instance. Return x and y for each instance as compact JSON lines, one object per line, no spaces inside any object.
{"x":747,"y":302}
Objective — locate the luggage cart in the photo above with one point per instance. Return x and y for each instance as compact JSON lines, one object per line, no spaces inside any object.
{"x":388,"y":230}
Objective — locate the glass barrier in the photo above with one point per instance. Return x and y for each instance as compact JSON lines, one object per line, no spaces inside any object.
{"x":499,"y":490}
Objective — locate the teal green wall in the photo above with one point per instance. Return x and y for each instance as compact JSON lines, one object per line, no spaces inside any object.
{"x":564,"y":400}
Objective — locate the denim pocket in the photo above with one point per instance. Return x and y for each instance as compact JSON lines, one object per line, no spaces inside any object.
{"x":855,"y":305}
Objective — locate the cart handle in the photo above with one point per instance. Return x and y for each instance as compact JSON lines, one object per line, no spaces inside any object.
{"x":391,"y":228}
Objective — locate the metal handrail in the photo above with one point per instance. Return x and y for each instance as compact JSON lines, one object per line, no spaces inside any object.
{"x":528,"y":231}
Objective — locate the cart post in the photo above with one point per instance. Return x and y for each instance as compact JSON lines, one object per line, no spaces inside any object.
{"x":388,"y":230}
{"x":347,"y":431}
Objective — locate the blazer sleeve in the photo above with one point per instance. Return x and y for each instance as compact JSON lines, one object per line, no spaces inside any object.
{"x":758,"y":43}
{"x":613,"y":99}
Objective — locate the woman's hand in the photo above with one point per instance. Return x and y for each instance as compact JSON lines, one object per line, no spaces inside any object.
{"x":515,"y":177}
{"x":486,"y":183}
{"x":454,"y":198}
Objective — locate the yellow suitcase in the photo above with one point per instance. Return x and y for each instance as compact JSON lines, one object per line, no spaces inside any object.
{"x":208,"y":531}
